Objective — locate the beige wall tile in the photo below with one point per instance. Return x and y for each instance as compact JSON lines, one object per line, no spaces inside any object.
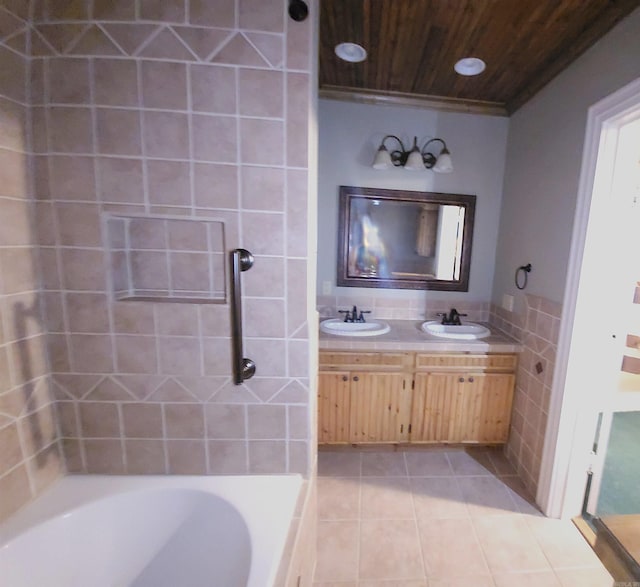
{"x":99,"y":420}
{"x":187,"y":235}
{"x":149,"y":270}
{"x":115,"y":82}
{"x":261,"y":93}
{"x":213,"y":89}
{"x":70,"y":130}
{"x":120,"y":180}
{"x":266,"y":422}
{"x":74,"y":279}
{"x":261,"y":15}
{"x":168,"y":183}
{"x":261,"y":141}
{"x":69,"y":81}
{"x":166,"y":134}
{"x":179,"y":355}
{"x":91,"y":353}
{"x":215,"y":138}
{"x":162,"y":10}
{"x":118,"y":132}
{"x":133,"y":318}
{"x":263,"y":233}
{"x":217,"y":13}
{"x":87,"y":312}
{"x":113,"y":10}
{"x":225,"y":421}
{"x":264,"y":318}
{"x":215,"y":186}
{"x":136,"y":354}
{"x":164,"y":85}
{"x":71,"y":177}
{"x":187,"y":457}
{"x":267,"y":457}
{"x":262,"y":188}
{"x":227,"y":457}
{"x":145,"y":457}
{"x":78,"y":225}
{"x":184,"y":420}
{"x":176,"y":319}
{"x":104,"y":456}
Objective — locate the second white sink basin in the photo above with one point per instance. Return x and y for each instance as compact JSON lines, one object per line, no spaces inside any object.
{"x":342,"y":328}
{"x":466,"y":331}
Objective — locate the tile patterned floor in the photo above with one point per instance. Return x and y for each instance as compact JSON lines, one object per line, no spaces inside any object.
{"x":440,"y":519}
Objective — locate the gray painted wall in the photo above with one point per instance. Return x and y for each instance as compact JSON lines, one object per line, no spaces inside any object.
{"x":544,"y":157}
{"x":349,"y":135}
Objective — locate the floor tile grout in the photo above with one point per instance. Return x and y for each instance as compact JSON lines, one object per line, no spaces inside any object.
{"x":491,"y":511}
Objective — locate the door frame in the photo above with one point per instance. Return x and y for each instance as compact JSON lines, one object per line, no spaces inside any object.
{"x":571,"y":428}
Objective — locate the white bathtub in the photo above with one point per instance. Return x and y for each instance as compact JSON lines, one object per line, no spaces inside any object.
{"x":151,"y":531}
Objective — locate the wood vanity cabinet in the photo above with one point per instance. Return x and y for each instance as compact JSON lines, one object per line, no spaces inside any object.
{"x":415,"y":397}
{"x":364,"y":397}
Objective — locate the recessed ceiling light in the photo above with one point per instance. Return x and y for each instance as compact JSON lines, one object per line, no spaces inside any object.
{"x":470,"y":66}
{"x":351,"y":52}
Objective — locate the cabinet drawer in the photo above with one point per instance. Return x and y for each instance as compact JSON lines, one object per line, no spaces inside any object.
{"x":458,"y":362}
{"x":373,"y":361}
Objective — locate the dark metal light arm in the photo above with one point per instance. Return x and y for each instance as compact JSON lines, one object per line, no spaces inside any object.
{"x":398,"y":157}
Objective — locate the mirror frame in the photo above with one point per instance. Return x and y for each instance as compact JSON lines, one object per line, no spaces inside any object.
{"x":347,"y":193}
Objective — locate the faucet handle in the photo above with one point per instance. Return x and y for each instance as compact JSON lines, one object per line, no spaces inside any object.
{"x":347,"y":317}
{"x":361,"y":317}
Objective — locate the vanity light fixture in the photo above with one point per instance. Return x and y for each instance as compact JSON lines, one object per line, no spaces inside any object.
{"x":416,"y":159}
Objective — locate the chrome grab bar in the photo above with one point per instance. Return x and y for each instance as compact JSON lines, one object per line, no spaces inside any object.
{"x":243,"y":368}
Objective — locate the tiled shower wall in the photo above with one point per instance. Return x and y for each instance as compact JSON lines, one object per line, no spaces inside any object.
{"x":29,"y":447}
{"x":194,"y":109}
{"x":537,"y":329}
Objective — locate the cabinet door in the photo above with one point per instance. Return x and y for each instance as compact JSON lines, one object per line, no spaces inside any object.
{"x":483,"y":408}
{"x":434,"y":406}
{"x":495,"y":406}
{"x":333,"y":407}
{"x":462,"y":407}
{"x":380,"y":407}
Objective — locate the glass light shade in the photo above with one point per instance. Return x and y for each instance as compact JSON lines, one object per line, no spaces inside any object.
{"x":351,"y":52}
{"x":444,"y":164}
{"x":414,"y":161}
{"x":470,"y":66}
{"x":382,"y":159}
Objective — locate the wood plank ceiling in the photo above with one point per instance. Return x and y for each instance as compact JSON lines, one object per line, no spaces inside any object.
{"x":413,"y":45}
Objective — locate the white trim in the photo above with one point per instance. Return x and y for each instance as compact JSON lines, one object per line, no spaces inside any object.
{"x":562,"y":475}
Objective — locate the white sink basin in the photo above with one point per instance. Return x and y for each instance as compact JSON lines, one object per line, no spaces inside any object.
{"x":342,"y":328}
{"x":466,"y":331}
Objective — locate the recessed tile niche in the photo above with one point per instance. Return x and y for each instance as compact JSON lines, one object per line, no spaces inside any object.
{"x":155,"y":258}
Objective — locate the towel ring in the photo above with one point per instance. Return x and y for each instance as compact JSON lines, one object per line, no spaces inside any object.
{"x":525,"y":269}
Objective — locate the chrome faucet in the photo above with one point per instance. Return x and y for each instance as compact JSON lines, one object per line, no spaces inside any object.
{"x":453,"y":318}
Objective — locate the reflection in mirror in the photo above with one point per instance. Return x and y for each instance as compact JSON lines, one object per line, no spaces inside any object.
{"x":403,"y":239}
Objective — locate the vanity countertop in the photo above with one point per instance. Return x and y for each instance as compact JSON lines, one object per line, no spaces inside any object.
{"x":407,"y":335}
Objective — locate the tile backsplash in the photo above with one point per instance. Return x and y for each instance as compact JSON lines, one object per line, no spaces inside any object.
{"x":405,"y":307}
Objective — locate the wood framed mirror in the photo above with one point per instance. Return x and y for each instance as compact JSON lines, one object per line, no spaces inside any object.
{"x":404,"y":239}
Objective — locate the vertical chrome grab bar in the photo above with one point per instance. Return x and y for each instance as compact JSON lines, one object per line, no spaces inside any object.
{"x":241,"y":260}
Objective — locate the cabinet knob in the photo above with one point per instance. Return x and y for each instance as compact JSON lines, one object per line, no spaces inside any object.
{"x":345,"y":378}
{"x":356,"y":378}
{"x":470,"y":379}
{"x":461,"y":380}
